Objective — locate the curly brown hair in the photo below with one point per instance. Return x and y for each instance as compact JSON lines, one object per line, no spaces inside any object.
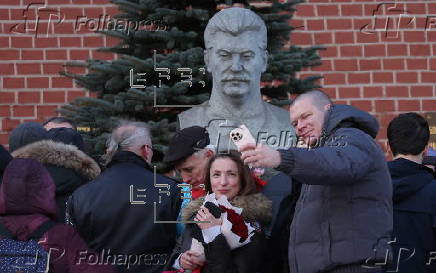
{"x":247,"y":183}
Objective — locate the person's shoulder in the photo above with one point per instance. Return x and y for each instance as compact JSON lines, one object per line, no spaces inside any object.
{"x":431,"y":187}
{"x":353,"y":135}
{"x":88,"y":187}
{"x":427,"y":195}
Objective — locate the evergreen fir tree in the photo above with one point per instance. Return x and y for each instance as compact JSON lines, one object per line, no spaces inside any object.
{"x":165,"y":41}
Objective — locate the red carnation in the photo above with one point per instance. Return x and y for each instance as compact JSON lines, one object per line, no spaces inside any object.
{"x":259,"y":183}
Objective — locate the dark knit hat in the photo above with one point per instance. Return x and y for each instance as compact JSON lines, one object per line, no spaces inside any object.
{"x":186,"y":142}
{"x":26,"y":133}
{"x":67,"y":136}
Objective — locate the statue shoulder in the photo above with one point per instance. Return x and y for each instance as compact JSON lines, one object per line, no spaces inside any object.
{"x":193,"y":116}
{"x":277,"y":111}
{"x":195,"y":110}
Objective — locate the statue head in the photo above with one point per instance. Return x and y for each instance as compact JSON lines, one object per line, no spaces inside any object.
{"x":235,"y":54}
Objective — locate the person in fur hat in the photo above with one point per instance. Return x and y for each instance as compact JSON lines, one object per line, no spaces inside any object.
{"x":226,"y":179}
{"x":59,"y":150}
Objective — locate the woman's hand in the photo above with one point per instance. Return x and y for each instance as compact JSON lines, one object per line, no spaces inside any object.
{"x":190,"y":260}
{"x":204,"y":215}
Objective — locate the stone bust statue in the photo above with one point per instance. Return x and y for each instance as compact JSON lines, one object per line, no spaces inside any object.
{"x":236,"y":55}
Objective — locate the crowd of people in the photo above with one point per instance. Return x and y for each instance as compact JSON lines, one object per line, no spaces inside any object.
{"x":344,"y":208}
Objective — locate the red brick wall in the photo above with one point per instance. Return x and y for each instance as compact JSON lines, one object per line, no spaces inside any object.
{"x":382,"y":70}
{"x":30,"y":58}
{"x":379,"y":57}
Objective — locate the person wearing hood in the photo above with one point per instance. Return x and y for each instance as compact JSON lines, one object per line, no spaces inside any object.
{"x":343,"y":219}
{"x":414,"y":195}
{"x":60,"y":150}
{"x":27,"y":201}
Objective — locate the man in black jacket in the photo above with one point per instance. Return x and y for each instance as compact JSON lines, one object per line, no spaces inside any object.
{"x":124,"y":213}
{"x":414,"y":196}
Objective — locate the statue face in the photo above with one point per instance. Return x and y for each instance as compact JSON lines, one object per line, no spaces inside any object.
{"x":236,"y":63}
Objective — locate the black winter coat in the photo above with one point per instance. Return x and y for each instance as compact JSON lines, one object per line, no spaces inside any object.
{"x":414,"y":198}
{"x":123,"y":213}
{"x":278,"y":242}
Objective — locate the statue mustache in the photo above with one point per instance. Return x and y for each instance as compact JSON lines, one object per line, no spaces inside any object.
{"x":237,"y":78}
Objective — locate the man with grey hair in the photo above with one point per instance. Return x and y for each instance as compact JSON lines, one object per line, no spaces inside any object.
{"x":130,"y":136}
{"x":189,"y":153}
{"x":236,"y":55}
{"x":121,"y":213}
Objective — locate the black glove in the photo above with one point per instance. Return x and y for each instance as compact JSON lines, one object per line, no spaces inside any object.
{"x":214,"y":209}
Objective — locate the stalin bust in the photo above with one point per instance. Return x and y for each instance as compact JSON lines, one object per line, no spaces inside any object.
{"x":236,"y":55}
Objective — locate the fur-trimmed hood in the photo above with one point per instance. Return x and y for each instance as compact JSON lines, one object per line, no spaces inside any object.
{"x":256,"y":207}
{"x":61,"y":155}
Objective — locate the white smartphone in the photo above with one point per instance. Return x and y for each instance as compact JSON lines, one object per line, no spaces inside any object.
{"x":242,"y":136}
